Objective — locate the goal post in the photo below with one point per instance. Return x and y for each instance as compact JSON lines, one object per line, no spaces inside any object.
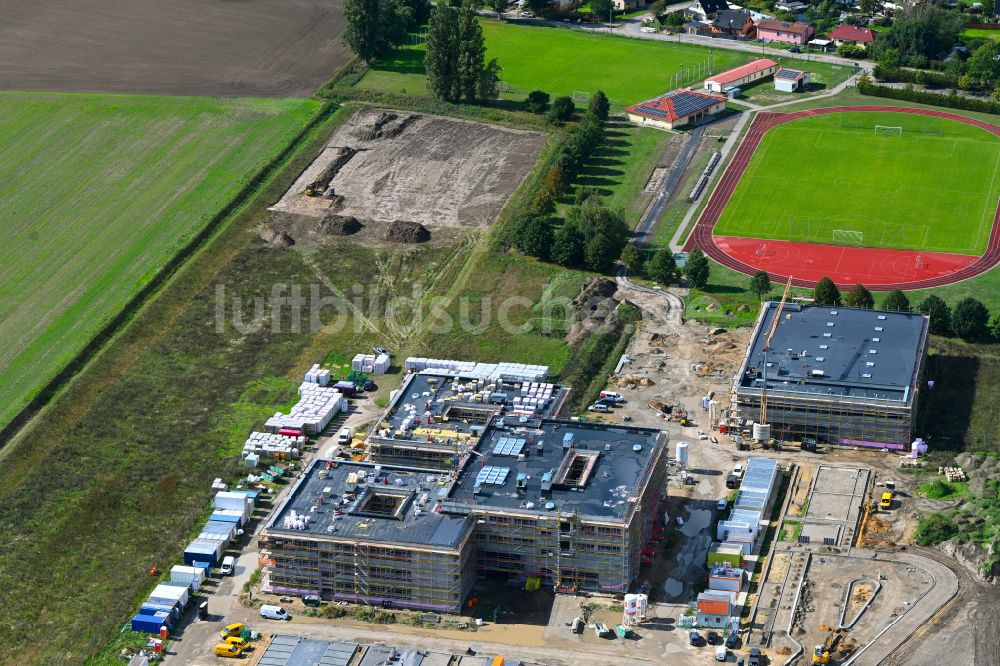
{"x":580,"y":96}
{"x":891,"y":130}
{"x":848,"y":237}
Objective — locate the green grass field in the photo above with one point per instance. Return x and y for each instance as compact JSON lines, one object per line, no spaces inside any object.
{"x":933,"y":187}
{"x":97,"y":192}
{"x":562,"y":61}
{"x":979,"y":33}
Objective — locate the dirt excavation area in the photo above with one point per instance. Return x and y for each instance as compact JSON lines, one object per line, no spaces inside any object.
{"x":386,"y":166}
{"x":264,"y":48}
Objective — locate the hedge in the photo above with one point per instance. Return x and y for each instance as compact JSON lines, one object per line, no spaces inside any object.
{"x":866,"y":87}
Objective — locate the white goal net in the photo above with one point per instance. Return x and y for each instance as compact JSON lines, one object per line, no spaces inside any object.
{"x":888,"y":129}
{"x":847,"y":237}
{"x":580,"y":96}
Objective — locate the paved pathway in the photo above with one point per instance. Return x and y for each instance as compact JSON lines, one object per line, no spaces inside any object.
{"x":647,"y":225}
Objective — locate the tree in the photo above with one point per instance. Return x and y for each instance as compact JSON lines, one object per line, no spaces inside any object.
{"x":599,"y":253}
{"x":599,"y":106}
{"x":896,"y":301}
{"x":917,"y":36}
{"x":364,"y":28}
{"x":441,"y":57}
{"x":870,"y":7}
{"x":538,"y":7}
{"x":489,"y":81}
{"x":567,"y":248}
{"x":760,"y":284}
{"x":397,"y":19}
{"x":826,"y":292}
{"x":601,"y":9}
{"x":471,"y":54}
{"x":984,"y":65}
{"x":534,"y":236}
{"x":662,"y":267}
{"x":658,"y":7}
{"x":537,"y":101}
{"x":969,"y":319}
{"x":696,"y":269}
{"x":499,"y":6}
{"x":633,"y":260}
{"x":940,"y":315}
{"x":562,"y":110}
{"x":859,"y":297}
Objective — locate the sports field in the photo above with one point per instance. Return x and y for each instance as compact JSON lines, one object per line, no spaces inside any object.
{"x":918,"y":183}
{"x":97,"y":192}
{"x":562,"y":61}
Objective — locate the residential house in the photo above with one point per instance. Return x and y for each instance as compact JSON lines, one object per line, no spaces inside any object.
{"x":674,"y":109}
{"x":783,"y":31}
{"x":854,"y":35}
{"x":714,"y":609}
{"x":741,"y":76}
{"x":733,"y":23}
{"x":705,"y":10}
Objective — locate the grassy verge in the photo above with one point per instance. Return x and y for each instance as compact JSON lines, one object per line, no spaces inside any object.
{"x":939,"y":490}
{"x":790,"y":531}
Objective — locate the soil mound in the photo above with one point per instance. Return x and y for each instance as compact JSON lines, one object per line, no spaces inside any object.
{"x":276,"y":238}
{"x":339,"y":225}
{"x":402,"y":231}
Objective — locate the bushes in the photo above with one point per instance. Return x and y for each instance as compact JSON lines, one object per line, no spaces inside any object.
{"x":866,"y":87}
{"x":917,"y":76}
{"x":933,"y":529}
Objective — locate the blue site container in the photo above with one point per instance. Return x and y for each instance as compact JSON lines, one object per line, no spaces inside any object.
{"x":149,"y":624}
{"x":203,"y":551}
{"x":152,"y":608}
{"x":252,"y":494}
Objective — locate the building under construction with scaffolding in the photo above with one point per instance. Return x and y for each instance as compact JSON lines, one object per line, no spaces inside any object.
{"x":838,"y":375}
{"x":530,"y":500}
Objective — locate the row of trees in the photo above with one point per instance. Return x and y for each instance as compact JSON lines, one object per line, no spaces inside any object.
{"x":954,"y":101}
{"x":969,"y":319}
{"x":455,"y":57}
{"x":375,"y":26}
{"x":662,"y":267}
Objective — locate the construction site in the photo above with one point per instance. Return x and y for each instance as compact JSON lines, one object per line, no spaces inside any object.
{"x":494,"y":488}
{"x":841,"y":376}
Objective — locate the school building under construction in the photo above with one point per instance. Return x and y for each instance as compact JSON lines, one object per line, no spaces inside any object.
{"x":838,"y":375}
{"x":519,"y":497}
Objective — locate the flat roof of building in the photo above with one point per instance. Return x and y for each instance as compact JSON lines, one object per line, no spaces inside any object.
{"x":285,"y":650}
{"x":837,"y":352}
{"x":388,"y":503}
{"x":593,"y":469}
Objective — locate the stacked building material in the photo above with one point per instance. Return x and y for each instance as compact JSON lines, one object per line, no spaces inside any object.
{"x":533,"y":398}
{"x":270,"y":445}
{"x":315,"y":409}
{"x":508,"y":371}
{"x":317,"y":375}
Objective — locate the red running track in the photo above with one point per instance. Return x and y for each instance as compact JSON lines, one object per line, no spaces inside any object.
{"x":879,"y":270}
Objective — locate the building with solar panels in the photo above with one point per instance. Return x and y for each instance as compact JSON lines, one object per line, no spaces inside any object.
{"x":791,"y":80}
{"x":675,"y":109}
{"x":533,"y":501}
{"x":836,"y":375}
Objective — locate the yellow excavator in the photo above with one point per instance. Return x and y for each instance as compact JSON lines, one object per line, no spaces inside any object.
{"x":821,"y":654}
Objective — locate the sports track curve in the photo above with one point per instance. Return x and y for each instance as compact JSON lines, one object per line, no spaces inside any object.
{"x":703,"y":238}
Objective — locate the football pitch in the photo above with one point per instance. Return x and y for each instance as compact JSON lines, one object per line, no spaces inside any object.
{"x":97,"y":193}
{"x":874,"y":179}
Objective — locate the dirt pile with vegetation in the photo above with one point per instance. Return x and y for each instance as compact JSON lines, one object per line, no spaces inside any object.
{"x":402,"y":231}
{"x":339,"y":225}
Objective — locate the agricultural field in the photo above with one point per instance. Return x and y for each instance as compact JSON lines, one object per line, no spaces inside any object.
{"x":97,"y":193}
{"x":265,"y":48}
{"x":628,"y":70}
{"x":930,"y":186}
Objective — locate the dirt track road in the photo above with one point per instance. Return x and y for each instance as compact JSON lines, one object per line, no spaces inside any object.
{"x":252,"y":48}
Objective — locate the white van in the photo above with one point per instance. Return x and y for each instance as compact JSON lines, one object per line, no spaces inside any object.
{"x":274,"y":613}
{"x":345,"y":436}
{"x":721,"y":653}
{"x":228,"y":565}
{"x":598,"y":408}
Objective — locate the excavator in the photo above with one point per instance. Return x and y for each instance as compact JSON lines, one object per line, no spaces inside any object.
{"x":821,"y":654}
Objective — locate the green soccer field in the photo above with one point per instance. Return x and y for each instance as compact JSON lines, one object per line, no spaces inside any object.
{"x":97,"y":193}
{"x":931,"y":185}
{"x":561,"y":62}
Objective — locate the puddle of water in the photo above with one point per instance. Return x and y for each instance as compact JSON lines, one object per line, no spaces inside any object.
{"x":698,"y":520}
{"x":673,"y":587}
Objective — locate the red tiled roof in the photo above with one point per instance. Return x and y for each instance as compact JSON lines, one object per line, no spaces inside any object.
{"x":674,"y":105}
{"x":852,"y":33}
{"x":738,"y":73}
{"x":783,"y":26}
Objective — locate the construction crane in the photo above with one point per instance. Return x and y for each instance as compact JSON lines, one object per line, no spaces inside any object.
{"x":767,"y":347}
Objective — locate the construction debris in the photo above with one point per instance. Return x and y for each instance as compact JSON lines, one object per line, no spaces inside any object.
{"x":953,"y":474}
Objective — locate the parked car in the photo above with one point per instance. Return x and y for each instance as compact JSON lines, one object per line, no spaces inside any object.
{"x":232,"y":630}
{"x":795,"y":49}
{"x":609,"y":402}
{"x":754,"y":658}
{"x":732,"y":481}
{"x":614,"y":395}
{"x":679,"y":521}
{"x":345,"y":436}
{"x":647,"y":28}
{"x":228,"y":564}
{"x":712,"y":638}
{"x":370,"y":385}
{"x":694,"y":638}
{"x":274,"y":612}
{"x":598,"y":408}
{"x":738,"y":471}
{"x":239,"y":642}
{"x":312,"y":601}
{"x":721,"y":653}
{"x":886,"y":501}
{"x":722,"y":504}
{"x":733,"y":640}
{"x":227,"y":650}
{"x":702,"y":435}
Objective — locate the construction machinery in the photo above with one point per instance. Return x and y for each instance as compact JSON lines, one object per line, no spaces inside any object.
{"x":821,"y":653}
{"x":762,"y":432}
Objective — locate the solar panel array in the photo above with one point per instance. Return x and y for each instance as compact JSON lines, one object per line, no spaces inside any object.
{"x":509,"y":446}
{"x":685,"y":103}
{"x":491,"y":475}
{"x":678,"y":104}
{"x":788,"y":73}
